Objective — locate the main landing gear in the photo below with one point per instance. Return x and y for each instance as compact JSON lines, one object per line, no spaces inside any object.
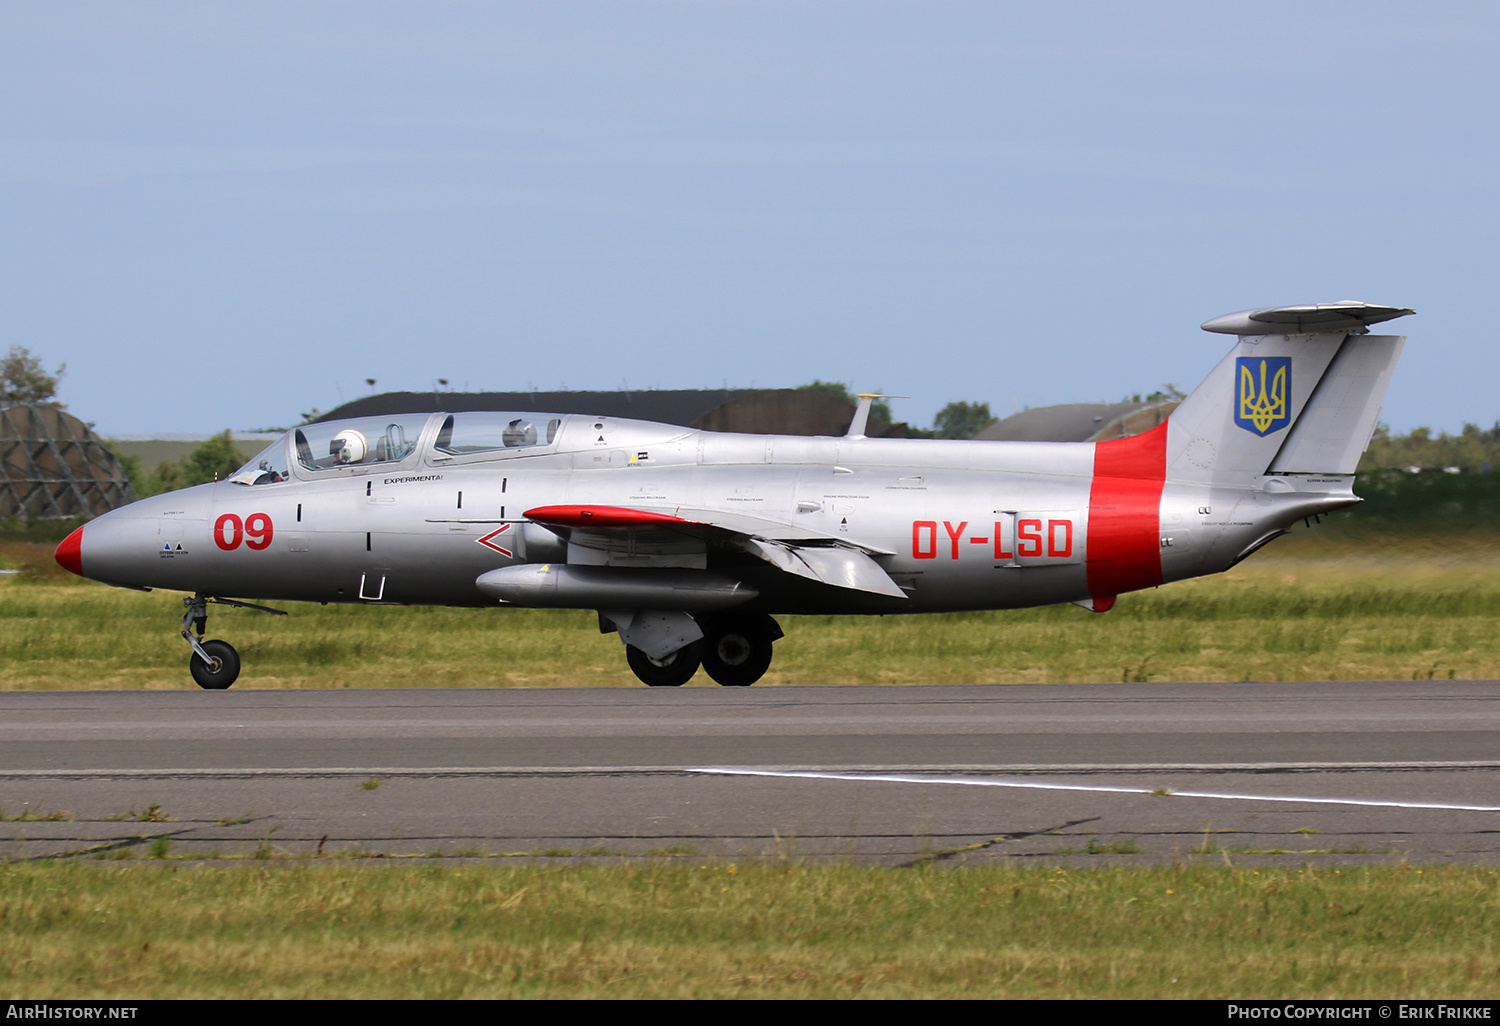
{"x":670,"y":671}
{"x":737,"y":649}
{"x":734,"y":650}
{"x":214,"y":664}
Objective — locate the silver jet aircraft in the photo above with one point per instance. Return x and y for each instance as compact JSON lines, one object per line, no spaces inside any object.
{"x":687,"y":542}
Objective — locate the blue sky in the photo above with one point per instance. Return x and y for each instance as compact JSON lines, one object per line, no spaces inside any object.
{"x":222,"y":215}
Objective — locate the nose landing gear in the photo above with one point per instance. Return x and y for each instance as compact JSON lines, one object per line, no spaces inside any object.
{"x":214,"y":664}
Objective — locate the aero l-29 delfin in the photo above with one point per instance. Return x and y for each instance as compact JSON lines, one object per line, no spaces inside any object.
{"x":687,"y":542}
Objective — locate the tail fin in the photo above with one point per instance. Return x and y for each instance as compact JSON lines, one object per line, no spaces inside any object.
{"x":1299,"y":394}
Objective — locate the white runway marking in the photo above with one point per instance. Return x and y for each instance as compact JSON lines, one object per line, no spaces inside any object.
{"x":1042,"y":786}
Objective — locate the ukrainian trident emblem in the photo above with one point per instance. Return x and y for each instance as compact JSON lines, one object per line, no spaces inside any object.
{"x":1264,"y":389}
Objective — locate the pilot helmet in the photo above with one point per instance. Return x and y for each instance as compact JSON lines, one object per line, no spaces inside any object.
{"x":348,"y":446}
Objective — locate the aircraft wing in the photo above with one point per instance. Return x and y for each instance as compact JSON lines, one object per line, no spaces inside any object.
{"x":649,"y":536}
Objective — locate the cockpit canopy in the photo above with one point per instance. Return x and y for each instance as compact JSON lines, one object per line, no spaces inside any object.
{"x":369,"y":441}
{"x":463,"y":434}
{"x":358,"y":443}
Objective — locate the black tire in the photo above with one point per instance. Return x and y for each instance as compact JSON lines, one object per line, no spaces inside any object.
{"x":219,"y":674}
{"x":672,"y":672}
{"x":737,"y":650}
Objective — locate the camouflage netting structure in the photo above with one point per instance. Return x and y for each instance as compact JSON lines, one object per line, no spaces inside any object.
{"x":53,"y":466}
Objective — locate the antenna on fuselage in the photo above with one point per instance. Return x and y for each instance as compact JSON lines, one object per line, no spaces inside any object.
{"x":862,"y":412}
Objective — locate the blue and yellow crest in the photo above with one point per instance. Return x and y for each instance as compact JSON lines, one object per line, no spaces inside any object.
{"x":1263,"y":388}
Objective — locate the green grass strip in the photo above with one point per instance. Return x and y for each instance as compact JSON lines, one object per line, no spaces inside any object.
{"x":706,"y":930}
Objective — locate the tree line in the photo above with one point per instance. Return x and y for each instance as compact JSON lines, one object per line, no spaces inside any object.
{"x":1472,"y":450}
{"x":213,"y":460}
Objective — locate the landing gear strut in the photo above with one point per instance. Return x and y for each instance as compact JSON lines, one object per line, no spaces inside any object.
{"x":214,"y":664}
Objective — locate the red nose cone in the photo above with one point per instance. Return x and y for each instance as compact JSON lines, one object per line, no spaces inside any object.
{"x":70,"y":553}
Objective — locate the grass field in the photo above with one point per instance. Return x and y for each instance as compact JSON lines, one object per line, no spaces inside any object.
{"x":1307,"y":608}
{"x":694,"y":930}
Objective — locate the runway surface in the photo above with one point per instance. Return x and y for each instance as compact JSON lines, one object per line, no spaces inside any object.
{"x":1098,"y":774}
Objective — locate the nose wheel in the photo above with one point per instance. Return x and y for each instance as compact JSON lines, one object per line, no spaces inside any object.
{"x":214,"y":664}
{"x":217,"y":667}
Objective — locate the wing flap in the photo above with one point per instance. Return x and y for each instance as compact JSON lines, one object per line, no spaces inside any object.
{"x":833,"y":565}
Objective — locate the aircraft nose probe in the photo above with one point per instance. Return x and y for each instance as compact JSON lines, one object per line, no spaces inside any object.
{"x":69,"y":554}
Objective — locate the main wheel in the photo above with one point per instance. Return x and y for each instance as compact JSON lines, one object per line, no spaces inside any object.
{"x":737,"y":650}
{"x":673,"y":671}
{"x":221,"y":672}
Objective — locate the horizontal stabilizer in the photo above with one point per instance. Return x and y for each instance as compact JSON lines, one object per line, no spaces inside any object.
{"x":1345,"y":316}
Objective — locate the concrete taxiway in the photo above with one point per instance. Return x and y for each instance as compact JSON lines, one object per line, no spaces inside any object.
{"x":1330,"y":773}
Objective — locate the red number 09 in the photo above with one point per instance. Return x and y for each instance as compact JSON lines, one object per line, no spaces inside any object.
{"x":255,"y":531}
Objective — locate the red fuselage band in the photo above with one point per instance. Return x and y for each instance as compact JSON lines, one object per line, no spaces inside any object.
{"x":1124,"y":547}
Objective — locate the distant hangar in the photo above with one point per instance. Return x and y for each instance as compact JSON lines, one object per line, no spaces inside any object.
{"x":53,"y":466}
{"x":783,"y":411}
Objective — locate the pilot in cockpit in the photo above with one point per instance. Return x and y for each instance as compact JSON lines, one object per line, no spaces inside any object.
{"x":348,"y":447}
{"x":518,"y":434}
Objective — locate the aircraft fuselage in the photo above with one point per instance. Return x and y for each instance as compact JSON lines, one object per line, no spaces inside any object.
{"x":957,"y":525}
{"x":685,"y":542}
